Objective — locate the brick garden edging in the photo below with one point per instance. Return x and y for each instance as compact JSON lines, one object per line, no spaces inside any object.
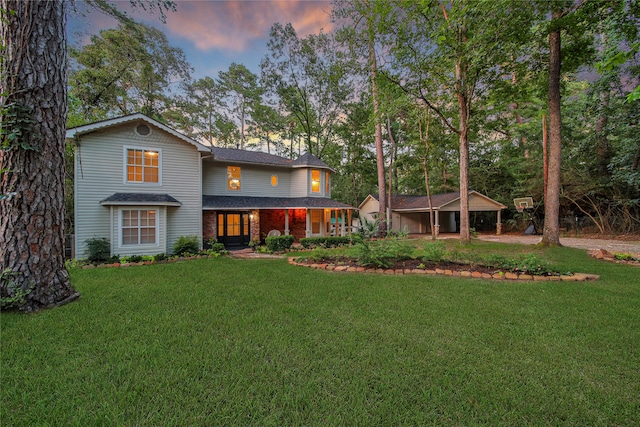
{"x":576,"y":277}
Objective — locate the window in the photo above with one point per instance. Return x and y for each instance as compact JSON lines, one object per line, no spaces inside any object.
{"x":138,"y":227}
{"x":233,"y":178}
{"x":316,"y":219}
{"x":274,"y":180}
{"x":327,"y":184}
{"x":143,"y":165}
{"x":315,"y":181}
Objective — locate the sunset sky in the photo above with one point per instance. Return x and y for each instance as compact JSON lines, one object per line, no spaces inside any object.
{"x":215,"y":33}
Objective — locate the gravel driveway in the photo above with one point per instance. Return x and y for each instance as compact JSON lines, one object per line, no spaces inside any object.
{"x":625,"y":246}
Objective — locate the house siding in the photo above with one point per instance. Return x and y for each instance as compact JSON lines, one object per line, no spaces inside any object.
{"x":300,"y":182}
{"x":99,"y":173}
{"x":255,"y":181}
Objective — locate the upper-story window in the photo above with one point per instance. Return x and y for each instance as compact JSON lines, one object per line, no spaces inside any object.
{"x":274,"y":180}
{"x":143,"y":166}
{"x":233,"y":178}
{"x":315,"y":181}
{"x":327,"y":183}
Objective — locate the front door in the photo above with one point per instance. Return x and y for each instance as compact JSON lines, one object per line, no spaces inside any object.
{"x":233,"y":229}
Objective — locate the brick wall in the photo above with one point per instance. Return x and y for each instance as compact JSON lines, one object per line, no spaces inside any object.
{"x":273,"y":219}
{"x":209,"y":225}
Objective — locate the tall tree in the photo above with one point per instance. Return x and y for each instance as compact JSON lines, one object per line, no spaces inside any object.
{"x":127,"y":69}
{"x":33,"y":108}
{"x":448,"y":53}
{"x":310,"y":81}
{"x":34,"y":76}
{"x":241,"y":92}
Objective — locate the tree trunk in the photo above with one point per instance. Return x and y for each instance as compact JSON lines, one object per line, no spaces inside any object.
{"x":382,"y":196}
{"x":551,"y":233}
{"x":34,"y":81}
{"x":463,"y":109}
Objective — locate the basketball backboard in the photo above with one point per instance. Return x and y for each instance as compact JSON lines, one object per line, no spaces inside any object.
{"x":523,"y":203}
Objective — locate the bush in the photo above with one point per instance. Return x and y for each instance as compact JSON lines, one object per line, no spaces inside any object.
{"x":99,"y":249}
{"x":160,"y":257}
{"x":217,"y":248}
{"x":434,"y":251}
{"x":134,"y":258}
{"x":383,"y":254}
{"x":329,"y":242}
{"x":186,"y":245}
{"x":279,"y":243}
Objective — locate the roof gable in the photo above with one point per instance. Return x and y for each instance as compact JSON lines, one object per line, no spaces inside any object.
{"x":440,"y":201}
{"x":78,"y":131}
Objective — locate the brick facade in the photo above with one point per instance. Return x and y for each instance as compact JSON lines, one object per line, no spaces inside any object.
{"x":273,"y":219}
{"x":209,"y":225}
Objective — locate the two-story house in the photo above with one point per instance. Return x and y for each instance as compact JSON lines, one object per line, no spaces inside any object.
{"x":141,"y":185}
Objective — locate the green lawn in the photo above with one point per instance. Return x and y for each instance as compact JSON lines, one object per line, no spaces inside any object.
{"x":259,"y":342}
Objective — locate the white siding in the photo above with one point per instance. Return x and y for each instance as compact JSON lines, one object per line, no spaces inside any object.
{"x":99,"y":173}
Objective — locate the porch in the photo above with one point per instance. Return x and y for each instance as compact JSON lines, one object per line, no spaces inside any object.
{"x":237,"y":221}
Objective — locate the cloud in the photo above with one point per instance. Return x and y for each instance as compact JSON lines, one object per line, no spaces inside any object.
{"x":234,"y":25}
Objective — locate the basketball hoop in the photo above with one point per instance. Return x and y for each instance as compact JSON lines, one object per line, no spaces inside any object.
{"x":523,"y":203}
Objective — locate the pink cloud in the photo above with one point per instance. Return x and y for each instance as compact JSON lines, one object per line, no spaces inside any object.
{"x":234,"y":25}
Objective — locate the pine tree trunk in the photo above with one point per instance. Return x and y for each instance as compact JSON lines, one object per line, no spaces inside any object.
{"x":382,"y":196}
{"x":463,"y":109}
{"x":34,"y":80}
{"x":551,"y":232}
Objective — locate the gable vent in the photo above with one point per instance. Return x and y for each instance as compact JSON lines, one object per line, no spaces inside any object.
{"x":143,"y":130}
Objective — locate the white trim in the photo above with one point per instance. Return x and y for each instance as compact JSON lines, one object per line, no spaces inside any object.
{"x":145,"y":246}
{"x":92,"y":127}
{"x":135,"y":129}
{"x":125,"y":164}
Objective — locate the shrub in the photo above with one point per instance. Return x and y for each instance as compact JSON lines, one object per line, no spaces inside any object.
{"x":12,"y":296}
{"x":99,"y":249}
{"x":186,"y":245}
{"x":329,"y":241}
{"x":434,"y":251}
{"x":135,"y":258}
{"x":369,"y":229}
{"x":160,"y":257}
{"x":279,"y":243}
{"x":114,"y":259}
{"x":217,"y":248}
{"x":383,"y":254}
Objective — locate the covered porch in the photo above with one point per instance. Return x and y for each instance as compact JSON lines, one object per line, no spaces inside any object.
{"x":237,"y":221}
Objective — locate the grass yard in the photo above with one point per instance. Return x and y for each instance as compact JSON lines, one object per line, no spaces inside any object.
{"x":238,"y":342}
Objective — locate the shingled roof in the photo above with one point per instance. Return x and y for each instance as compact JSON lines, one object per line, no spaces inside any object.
{"x":400,"y":202}
{"x":246,"y":156}
{"x":119,"y":199}
{"x":258,"y":157}
{"x":232,"y":202}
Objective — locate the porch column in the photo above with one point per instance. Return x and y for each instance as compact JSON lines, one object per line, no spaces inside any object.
{"x":307,"y":231}
{"x":350,"y":224}
{"x":437,"y":224}
{"x":286,"y":222}
{"x":342,"y":233}
{"x":499,"y":223}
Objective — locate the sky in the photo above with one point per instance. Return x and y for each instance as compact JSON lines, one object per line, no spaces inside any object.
{"x":214,"y":33}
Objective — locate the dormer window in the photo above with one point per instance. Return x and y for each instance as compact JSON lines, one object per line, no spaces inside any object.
{"x":233,"y":178}
{"x":315,"y":181}
{"x":143,"y":166}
